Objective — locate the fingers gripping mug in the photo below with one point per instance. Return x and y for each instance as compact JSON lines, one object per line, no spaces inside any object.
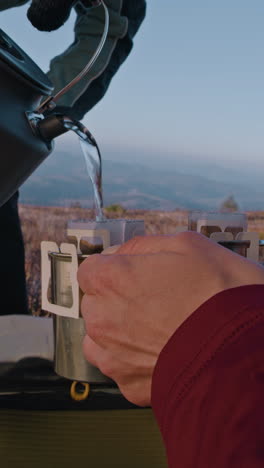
{"x":62,"y":296}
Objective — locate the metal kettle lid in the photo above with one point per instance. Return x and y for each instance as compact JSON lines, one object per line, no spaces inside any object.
{"x":12,"y":55}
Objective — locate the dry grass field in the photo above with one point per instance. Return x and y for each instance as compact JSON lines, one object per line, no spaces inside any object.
{"x":49,"y":223}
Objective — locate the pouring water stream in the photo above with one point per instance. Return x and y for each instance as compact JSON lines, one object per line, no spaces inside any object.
{"x":88,"y":144}
{"x":93,"y":163}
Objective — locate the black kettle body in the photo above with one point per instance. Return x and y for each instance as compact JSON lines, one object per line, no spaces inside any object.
{"x":26,"y":136}
{"x":22,"y":87}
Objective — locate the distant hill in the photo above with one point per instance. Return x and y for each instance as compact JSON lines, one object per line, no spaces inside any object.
{"x":63,"y":180}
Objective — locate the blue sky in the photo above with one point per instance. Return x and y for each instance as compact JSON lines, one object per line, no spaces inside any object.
{"x":193,"y":84}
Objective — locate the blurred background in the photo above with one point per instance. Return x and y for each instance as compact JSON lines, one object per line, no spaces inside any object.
{"x":180,"y":128}
{"x":188,"y":100}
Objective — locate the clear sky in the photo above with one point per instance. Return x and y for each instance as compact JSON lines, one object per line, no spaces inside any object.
{"x":193,"y":83}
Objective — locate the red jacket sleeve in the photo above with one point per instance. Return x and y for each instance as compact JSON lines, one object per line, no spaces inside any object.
{"x":208,"y":384}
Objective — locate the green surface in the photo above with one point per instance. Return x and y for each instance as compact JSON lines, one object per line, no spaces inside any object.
{"x":67,"y":439}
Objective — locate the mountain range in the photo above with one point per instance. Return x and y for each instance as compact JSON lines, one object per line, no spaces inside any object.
{"x":143,"y":183}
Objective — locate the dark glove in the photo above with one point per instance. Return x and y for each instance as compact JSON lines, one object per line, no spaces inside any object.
{"x":48,"y":15}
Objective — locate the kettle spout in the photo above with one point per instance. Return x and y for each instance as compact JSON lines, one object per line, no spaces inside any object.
{"x":47,"y":128}
{"x":51,"y":127}
{"x":55,"y":125}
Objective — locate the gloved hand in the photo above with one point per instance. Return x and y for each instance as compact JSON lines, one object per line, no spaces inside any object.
{"x":48,"y":15}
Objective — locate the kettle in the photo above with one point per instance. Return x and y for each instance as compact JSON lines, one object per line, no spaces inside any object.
{"x":23,"y":146}
{"x":26,"y":136}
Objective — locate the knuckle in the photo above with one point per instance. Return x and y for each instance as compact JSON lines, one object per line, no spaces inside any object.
{"x":132,"y":245}
{"x":88,"y":351}
{"x":86,"y":271}
{"x":110,"y":277}
{"x":94,"y":326}
{"x":93,"y":319}
{"x":107,"y":368}
{"x":81,"y":277}
{"x":104,"y":277}
{"x":94,"y":276}
{"x":85,"y":306}
{"x":91,"y":351}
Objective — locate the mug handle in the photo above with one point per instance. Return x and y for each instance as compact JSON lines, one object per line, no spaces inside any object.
{"x":46,"y":249}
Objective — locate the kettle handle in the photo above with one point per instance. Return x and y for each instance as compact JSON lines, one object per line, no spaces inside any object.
{"x":50,"y":102}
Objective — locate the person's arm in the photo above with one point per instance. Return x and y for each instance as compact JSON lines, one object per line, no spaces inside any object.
{"x":175,"y":315}
{"x":125,"y":18}
{"x":208,"y":384}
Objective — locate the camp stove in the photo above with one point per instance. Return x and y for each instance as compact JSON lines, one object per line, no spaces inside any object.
{"x":61,"y":295}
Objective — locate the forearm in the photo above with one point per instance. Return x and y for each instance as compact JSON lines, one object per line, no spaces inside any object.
{"x":124,"y":23}
{"x":209,"y":381}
